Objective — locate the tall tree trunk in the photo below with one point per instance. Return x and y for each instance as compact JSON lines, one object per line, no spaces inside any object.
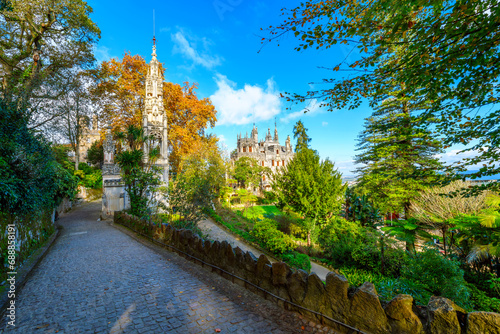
{"x":443,"y":231}
{"x":407,"y":210}
{"x":382,"y":256}
{"x":77,"y":152}
{"x":410,"y":247}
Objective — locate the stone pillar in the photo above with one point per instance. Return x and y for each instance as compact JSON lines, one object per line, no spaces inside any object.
{"x":113,"y":194}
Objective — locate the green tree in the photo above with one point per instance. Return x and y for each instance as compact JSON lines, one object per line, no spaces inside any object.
{"x":478,"y":241}
{"x":31,"y":180}
{"x":398,"y":157}
{"x":246,"y":198}
{"x":39,"y":41}
{"x":95,"y":154}
{"x":450,"y":56}
{"x":360,"y":208}
{"x":311,"y":187}
{"x":75,"y":112}
{"x":227,"y":190}
{"x":408,"y":231}
{"x":248,"y":172}
{"x":140,"y":175}
{"x":300,"y":133}
{"x":436,"y":208}
{"x":200,"y":183}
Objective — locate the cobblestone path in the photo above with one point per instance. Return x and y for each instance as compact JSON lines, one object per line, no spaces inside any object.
{"x":96,"y":279}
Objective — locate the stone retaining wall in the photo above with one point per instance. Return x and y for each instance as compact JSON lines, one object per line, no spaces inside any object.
{"x":29,"y":232}
{"x":360,"y":308}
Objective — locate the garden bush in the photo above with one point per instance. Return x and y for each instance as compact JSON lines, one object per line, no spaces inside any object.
{"x":89,"y":177}
{"x":297,"y":260}
{"x":388,"y":288}
{"x":344,"y":243}
{"x":357,"y":277}
{"x":266,"y":231}
{"x":481,"y":302}
{"x":348,"y":244}
{"x":93,"y":180}
{"x":438,"y":275}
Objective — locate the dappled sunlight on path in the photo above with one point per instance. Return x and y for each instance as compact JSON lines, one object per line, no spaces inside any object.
{"x":97,"y":279}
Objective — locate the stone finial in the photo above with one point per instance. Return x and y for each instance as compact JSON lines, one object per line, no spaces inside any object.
{"x":154,"y":52}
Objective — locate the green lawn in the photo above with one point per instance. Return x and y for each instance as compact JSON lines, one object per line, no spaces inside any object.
{"x":259,"y":211}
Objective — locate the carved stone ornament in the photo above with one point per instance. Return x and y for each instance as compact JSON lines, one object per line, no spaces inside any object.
{"x":109,"y":147}
{"x":111,"y":169}
{"x":156,"y":133}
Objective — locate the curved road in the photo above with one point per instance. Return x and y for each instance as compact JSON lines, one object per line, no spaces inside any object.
{"x":96,"y":279}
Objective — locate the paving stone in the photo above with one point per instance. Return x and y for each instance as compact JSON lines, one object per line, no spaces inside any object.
{"x":103,"y":281}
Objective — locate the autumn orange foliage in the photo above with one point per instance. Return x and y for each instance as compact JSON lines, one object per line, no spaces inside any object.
{"x":120,"y":91}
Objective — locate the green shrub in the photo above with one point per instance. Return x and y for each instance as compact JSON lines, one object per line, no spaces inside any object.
{"x":297,"y":260}
{"x":271,"y":238}
{"x":481,"y":302}
{"x":269,"y":198}
{"x":284,"y":222}
{"x":345,"y":244}
{"x":367,"y":256}
{"x":339,"y":230}
{"x":357,"y":277}
{"x":481,"y":280}
{"x":389,"y":288}
{"x":93,"y":181}
{"x":348,"y":244}
{"x":181,"y":224}
{"x":85,"y":168}
{"x":438,"y":275}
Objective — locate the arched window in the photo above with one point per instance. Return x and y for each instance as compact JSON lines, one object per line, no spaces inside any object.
{"x":250,"y":149}
{"x":273,"y":162}
{"x":262,"y":163}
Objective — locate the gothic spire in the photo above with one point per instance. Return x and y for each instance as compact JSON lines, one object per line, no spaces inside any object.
{"x":275,"y":132}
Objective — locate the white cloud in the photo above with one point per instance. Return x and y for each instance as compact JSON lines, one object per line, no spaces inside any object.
{"x":313,"y":108}
{"x":324,"y":123}
{"x":454,"y":156}
{"x":102,"y":53}
{"x":189,"y":48}
{"x":246,"y":105}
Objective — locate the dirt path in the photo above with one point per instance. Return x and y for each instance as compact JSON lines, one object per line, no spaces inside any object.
{"x":209,"y":227}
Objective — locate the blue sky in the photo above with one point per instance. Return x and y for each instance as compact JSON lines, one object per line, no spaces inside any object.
{"x":216,"y":44}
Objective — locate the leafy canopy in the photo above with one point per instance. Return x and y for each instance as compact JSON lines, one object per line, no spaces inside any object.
{"x":312,"y":187}
{"x":39,"y":41}
{"x":443,"y":51}
{"x":120,"y":91}
{"x":398,"y":157}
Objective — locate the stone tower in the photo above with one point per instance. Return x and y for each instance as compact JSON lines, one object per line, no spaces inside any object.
{"x":154,"y":117}
{"x":268,"y":152}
